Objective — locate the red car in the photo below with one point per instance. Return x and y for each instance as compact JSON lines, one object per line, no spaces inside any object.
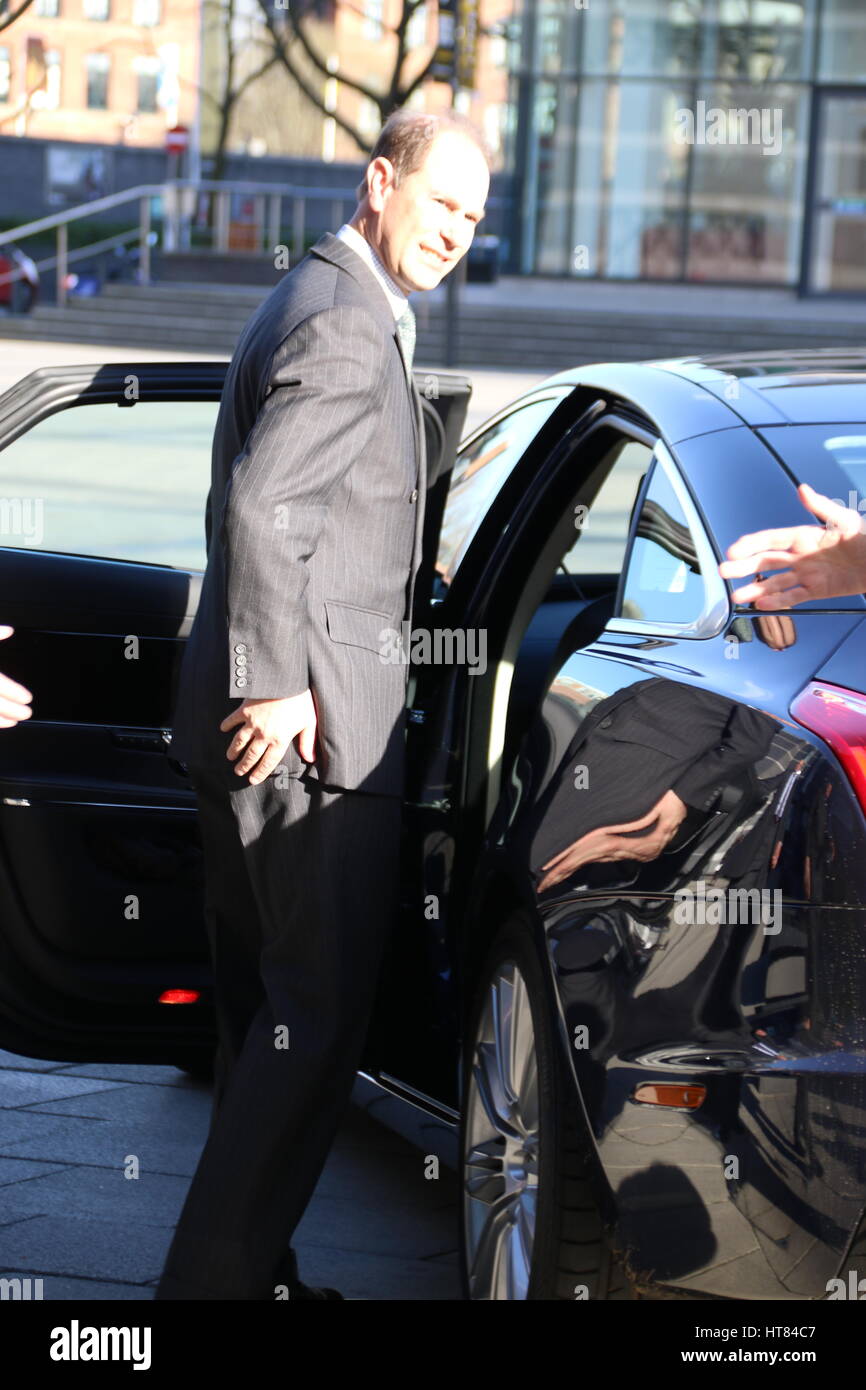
{"x":19,"y":280}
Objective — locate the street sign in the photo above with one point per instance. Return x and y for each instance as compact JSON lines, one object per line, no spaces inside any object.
{"x":176,"y":139}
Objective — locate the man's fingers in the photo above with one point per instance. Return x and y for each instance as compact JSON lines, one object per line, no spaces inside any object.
{"x":251,"y":755}
{"x":239,"y":742}
{"x":788,"y":598}
{"x":307,"y":743}
{"x":777,"y":585}
{"x":14,"y":710}
{"x":765,"y":599}
{"x":755,"y":564}
{"x":557,"y":857}
{"x":13,"y":691}
{"x":641,"y":824}
{"x":237,"y":716}
{"x":827,"y":510}
{"x":757,"y":541}
{"x":267,"y":764}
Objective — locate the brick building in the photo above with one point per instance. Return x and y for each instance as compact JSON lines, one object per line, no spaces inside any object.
{"x":99,"y":71}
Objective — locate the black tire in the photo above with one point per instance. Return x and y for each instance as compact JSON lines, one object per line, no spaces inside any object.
{"x":572,"y":1257}
{"x":21,"y":297}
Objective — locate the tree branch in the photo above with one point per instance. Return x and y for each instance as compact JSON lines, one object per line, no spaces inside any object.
{"x":314,"y":57}
{"x":312,"y":95}
{"x":16,"y":14}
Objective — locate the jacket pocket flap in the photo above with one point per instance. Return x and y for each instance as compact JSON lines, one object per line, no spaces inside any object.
{"x":359,"y":627}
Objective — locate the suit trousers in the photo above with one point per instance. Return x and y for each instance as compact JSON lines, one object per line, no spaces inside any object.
{"x":301,"y":888}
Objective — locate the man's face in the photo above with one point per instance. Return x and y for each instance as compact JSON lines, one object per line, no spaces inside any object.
{"x":424,"y":226}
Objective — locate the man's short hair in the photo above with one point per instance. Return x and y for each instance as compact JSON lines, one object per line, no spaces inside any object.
{"x":406,"y":137}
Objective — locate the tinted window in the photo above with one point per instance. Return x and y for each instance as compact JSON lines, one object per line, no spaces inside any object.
{"x":602,"y":535}
{"x":123,"y":484}
{"x":663,"y":581}
{"x":810,"y":451}
{"x":479,"y":473}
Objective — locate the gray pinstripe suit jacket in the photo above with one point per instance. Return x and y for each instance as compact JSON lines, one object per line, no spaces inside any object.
{"x":314,"y":524}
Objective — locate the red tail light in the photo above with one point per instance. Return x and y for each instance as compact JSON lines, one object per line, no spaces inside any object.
{"x":179,"y":996}
{"x":670,"y":1094}
{"x":838,"y":716}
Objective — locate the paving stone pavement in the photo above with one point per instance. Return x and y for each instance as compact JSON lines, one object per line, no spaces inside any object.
{"x":376,"y":1228}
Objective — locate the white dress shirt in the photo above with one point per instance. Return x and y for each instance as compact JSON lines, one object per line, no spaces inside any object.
{"x":396,"y":298}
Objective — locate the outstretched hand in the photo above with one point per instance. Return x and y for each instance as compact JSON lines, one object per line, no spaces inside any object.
{"x":819,"y":562}
{"x":14,"y":698}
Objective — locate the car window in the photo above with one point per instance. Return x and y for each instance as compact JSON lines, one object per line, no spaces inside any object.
{"x":663,"y":580}
{"x":815,"y":452}
{"x":479,"y":473}
{"x":601,"y":536}
{"x":120,"y":483}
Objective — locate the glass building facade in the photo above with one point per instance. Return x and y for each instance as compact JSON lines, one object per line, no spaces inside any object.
{"x":691,"y":140}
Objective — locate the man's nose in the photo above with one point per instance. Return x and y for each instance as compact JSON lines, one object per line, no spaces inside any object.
{"x":457,"y":234}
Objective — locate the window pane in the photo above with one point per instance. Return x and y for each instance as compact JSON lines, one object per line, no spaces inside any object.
{"x":839,"y":238}
{"x":372,"y":26}
{"x":97,"y":81}
{"x":602,"y":536}
{"x":121,"y":484}
{"x":631,"y":176}
{"x":808,"y":449}
{"x":759,"y":40}
{"x":646,"y":37}
{"x":146,"y":12}
{"x":147,"y":71}
{"x":556,"y":132}
{"x":842,"y":46}
{"x":749,"y":148}
{"x":47,"y":97}
{"x":5,"y":74}
{"x":751,"y":39}
{"x":663,"y":583}
{"x":478,"y":475}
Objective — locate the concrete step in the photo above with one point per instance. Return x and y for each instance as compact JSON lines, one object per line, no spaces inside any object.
{"x":194,"y":318}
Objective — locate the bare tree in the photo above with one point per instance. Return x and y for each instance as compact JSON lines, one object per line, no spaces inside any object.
{"x":8,"y":16}
{"x":292,"y":38}
{"x":233,"y":87}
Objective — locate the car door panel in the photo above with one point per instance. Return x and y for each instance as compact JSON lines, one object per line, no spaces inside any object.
{"x":101,"y":907}
{"x":101,"y":877}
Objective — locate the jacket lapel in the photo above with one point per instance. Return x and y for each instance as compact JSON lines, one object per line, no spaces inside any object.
{"x":334,"y":249}
{"x":338,"y":252}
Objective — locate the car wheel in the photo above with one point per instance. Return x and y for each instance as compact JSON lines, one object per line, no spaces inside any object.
{"x":530,"y":1224}
{"x":21,"y":297}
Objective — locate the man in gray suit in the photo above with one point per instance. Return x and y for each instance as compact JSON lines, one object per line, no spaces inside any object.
{"x":314,"y":526}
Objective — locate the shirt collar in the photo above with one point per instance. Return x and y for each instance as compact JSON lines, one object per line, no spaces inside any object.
{"x":396,"y":298}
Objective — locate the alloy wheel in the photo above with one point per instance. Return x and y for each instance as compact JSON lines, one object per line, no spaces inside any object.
{"x":500,"y":1159}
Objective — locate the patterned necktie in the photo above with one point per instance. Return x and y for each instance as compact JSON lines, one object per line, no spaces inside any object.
{"x":406,"y":331}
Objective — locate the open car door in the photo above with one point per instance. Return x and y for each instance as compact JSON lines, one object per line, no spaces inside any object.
{"x":104,"y":475}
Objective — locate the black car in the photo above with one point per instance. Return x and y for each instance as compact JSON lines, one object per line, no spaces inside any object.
{"x":627,"y":984}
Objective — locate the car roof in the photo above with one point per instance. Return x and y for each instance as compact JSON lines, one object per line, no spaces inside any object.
{"x":687,"y":396}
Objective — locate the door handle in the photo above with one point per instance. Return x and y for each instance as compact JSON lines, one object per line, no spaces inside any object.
{"x":141,"y":740}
